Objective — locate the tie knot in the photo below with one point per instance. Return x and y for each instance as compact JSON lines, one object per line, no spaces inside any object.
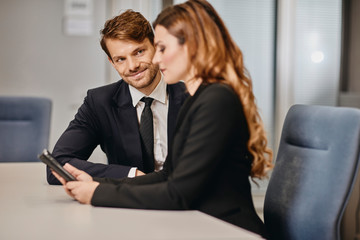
{"x":147,"y":101}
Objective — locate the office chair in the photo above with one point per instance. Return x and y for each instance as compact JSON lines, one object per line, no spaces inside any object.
{"x":24,"y":128}
{"x":314,"y":173}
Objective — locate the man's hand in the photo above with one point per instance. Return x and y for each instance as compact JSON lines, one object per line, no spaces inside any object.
{"x":139,"y":173}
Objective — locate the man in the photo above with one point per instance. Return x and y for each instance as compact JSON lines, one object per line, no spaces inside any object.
{"x":110,"y":115}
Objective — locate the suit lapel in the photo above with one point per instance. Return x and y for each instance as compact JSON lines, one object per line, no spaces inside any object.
{"x":127,"y":122}
{"x":128,"y":125}
{"x":187,"y":105}
{"x":177,"y":95}
{"x":179,"y":122}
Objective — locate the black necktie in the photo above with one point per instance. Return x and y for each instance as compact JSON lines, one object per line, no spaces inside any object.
{"x":147,"y":135}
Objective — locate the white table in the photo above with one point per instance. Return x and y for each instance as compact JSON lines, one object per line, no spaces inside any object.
{"x":32,"y":209}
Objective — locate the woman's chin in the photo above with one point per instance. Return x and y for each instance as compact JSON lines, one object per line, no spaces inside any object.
{"x":169,"y":80}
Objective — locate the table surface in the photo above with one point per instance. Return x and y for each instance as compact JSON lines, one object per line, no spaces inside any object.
{"x":32,"y":209}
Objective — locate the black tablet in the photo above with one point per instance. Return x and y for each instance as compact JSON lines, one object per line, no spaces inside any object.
{"x":50,"y":161}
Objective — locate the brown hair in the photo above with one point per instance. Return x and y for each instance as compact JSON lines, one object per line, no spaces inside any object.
{"x":129,"y":25}
{"x":216,"y":58}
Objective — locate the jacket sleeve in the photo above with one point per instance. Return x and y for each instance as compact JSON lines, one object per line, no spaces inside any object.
{"x":211,"y":121}
{"x":150,"y":178}
{"x":77,"y":143}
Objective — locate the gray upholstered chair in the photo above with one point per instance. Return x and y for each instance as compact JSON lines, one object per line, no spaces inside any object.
{"x":314,"y":173}
{"x":24,"y":128}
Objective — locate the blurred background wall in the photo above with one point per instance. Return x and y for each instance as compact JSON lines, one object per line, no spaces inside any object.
{"x":37,"y":57}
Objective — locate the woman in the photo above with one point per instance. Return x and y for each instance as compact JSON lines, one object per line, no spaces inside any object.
{"x":219,"y":140}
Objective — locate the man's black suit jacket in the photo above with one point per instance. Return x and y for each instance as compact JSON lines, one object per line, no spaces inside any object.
{"x":108,"y":118}
{"x":207,"y":167}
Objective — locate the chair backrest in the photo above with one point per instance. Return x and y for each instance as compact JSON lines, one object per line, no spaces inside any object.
{"x":24,"y":128}
{"x":314,"y":173}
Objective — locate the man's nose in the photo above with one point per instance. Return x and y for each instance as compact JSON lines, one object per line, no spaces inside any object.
{"x":133,"y":64}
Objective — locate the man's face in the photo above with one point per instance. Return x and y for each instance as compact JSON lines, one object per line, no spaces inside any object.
{"x":133,"y":61}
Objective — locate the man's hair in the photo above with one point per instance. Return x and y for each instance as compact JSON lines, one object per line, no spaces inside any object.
{"x":129,"y":25}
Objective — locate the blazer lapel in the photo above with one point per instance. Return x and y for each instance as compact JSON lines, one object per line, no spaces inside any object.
{"x":177,"y":95}
{"x":128,"y":125}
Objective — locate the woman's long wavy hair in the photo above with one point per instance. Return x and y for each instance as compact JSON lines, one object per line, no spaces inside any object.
{"x":216,"y":58}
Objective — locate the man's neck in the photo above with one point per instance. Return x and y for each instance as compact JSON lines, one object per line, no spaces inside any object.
{"x":149,"y":89}
{"x":159,"y":93}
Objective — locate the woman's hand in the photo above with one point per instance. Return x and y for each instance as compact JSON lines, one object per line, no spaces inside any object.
{"x":82,"y":189}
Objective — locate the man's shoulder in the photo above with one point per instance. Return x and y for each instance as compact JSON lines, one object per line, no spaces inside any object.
{"x":178,"y":87}
{"x":106,"y":89}
{"x":178,"y":91}
{"x":107,"y":94}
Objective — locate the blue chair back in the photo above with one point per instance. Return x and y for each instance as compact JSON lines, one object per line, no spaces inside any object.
{"x":314,"y":173}
{"x":24,"y":128}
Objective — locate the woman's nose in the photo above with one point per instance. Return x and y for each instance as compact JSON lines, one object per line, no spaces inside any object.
{"x":156,"y":58}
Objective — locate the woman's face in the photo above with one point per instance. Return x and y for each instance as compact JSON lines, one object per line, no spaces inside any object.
{"x":172,"y":57}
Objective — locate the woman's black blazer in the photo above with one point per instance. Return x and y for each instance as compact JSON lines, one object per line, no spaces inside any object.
{"x":207,"y":168}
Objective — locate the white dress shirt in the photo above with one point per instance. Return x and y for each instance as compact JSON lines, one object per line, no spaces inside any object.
{"x":159,"y":108}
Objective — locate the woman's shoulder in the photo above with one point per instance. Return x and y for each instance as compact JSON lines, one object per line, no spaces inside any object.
{"x":216,"y":91}
{"x":220,"y":88}
{"x":218,"y":97}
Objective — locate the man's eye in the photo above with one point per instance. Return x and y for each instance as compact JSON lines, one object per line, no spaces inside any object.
{"x":120,"y":60}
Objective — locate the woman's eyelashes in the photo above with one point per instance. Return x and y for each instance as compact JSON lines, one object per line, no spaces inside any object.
{"x":161,"y":48}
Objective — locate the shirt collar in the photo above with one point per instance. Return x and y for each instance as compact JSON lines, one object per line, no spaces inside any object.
{"x":159,"y":93}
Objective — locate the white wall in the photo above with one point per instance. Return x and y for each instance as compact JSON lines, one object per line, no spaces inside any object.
{"x":304,"y":28}
{"x":37,"y":59}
